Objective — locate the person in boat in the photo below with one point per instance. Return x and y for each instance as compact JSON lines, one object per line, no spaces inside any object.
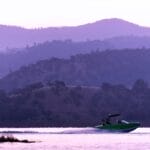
{"x":108,"y":119}
{"x":119,"y":121}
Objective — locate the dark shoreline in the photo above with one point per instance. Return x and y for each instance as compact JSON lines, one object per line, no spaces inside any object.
{"x":12,"y":139}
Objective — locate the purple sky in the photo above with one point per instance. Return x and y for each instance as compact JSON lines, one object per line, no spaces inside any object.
{"x":44,"y":13}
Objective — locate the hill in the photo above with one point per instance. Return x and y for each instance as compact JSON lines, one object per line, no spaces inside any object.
{"x":113,"y":66}
{"x":58,"y":105}
{"x":17,"y":37}
{"x":61,"y":49}
{"x":64,"y":49}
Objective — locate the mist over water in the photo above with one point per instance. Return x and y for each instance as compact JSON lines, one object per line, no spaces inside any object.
{"x":76,"y":139}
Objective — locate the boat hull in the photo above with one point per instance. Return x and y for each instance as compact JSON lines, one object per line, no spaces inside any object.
{"x":123,"y":128}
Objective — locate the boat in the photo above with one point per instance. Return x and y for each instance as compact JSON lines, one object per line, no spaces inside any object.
{"x":121,"y":126}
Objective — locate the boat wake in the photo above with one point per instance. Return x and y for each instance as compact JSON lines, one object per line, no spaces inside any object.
{"x":87,"y":130}
{"x":53,"y":131}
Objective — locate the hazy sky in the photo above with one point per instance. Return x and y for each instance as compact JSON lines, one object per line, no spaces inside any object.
{"x":44,"y":13}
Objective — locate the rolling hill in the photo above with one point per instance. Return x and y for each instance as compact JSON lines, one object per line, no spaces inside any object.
{"x":64,"y":49}
{"x":113,"y":66}
{"x":16,"y":37}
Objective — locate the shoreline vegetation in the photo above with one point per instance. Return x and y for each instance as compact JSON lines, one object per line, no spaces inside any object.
{"x":59,"y":105}
{"x":10,"y":138}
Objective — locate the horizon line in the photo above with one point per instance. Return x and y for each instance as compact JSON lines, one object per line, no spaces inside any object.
{"x":67,"y":26}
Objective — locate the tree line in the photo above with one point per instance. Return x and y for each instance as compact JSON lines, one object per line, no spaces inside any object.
{"x":55,"y":104}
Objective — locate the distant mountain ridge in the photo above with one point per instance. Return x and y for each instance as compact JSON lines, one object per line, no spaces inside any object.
{"x":16,"y":37}
{"x":64,"y":49}
{"x":113,"y":66}
{"x":61,"y":49}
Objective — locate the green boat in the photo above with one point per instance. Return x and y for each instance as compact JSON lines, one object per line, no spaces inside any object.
{"x":118,"y":125}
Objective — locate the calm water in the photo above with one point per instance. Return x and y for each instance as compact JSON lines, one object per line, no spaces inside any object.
{"x":76,"y":139}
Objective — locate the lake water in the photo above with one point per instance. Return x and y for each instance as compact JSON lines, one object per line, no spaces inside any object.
{"x":76,"y":139}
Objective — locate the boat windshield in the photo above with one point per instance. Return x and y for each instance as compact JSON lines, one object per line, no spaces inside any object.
{"x":124,"y":121}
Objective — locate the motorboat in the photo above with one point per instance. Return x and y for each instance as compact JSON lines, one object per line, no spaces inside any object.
{"x":118,"y":125}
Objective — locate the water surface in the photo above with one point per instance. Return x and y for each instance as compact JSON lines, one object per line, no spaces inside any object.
{"x":76,"y":139}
